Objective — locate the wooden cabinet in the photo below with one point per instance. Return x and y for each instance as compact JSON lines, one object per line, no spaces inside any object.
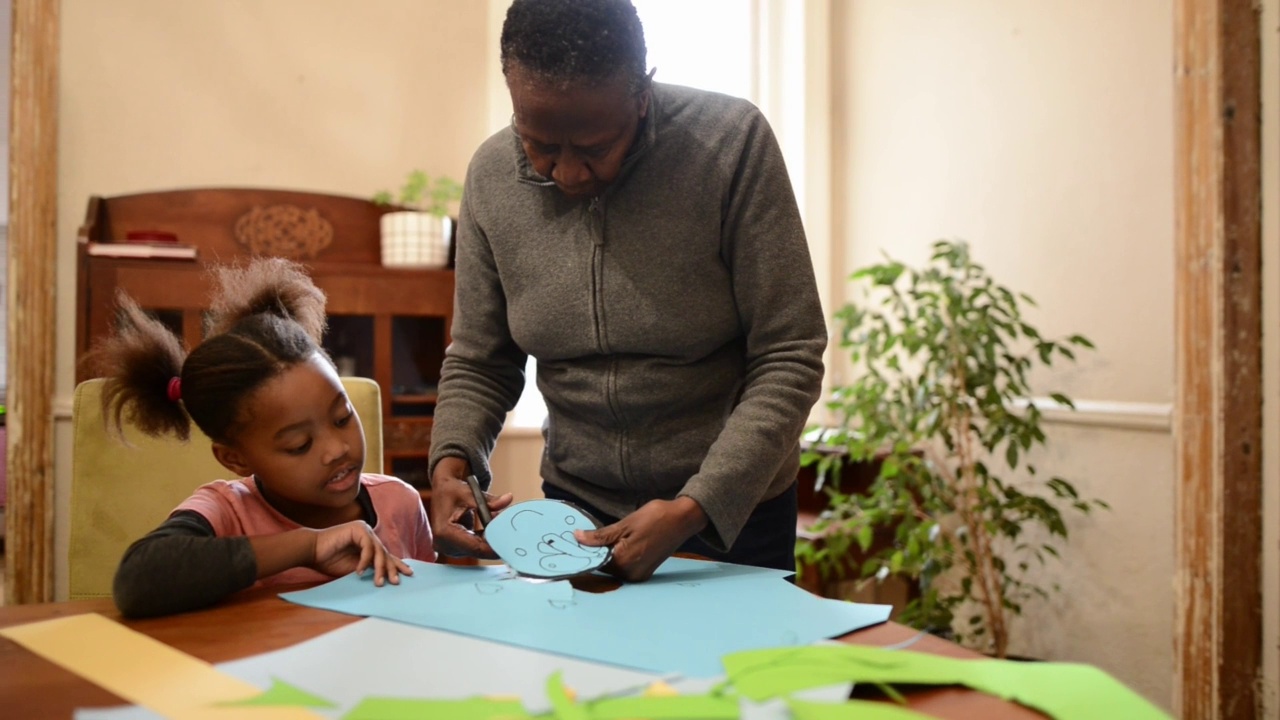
{"x":388,"y":324}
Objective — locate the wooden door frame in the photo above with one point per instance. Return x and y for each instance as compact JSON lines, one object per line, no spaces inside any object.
{"x":1218,"y":347}
{"x":32,"y":284}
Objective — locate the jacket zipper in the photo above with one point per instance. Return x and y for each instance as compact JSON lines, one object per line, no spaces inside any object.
{"x":596,"y":220}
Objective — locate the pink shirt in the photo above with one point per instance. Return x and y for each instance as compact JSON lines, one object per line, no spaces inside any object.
{"x":236,"y":508}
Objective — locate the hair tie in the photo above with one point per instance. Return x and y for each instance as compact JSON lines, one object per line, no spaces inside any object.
{"x":175,"y":389}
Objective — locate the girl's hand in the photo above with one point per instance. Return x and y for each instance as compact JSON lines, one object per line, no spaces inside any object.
{"x":354,"y":547}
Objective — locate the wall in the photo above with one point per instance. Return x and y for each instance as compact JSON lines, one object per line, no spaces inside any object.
{"x":1043,"y":134}
{"x":322,"y":95}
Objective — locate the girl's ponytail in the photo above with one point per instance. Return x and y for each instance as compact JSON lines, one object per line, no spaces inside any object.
{"x":140,"y":363}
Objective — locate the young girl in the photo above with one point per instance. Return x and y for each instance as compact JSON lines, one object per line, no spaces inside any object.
{"x":270,"y":399}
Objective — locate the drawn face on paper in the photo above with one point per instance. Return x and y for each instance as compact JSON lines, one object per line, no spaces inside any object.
{"x":536,"y":538}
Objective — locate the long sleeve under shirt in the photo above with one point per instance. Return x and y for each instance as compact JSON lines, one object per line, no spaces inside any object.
{"x":192,"y":561}
{"x":182,"y":566}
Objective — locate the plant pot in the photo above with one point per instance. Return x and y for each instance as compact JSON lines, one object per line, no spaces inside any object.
{"x":413,"y":239}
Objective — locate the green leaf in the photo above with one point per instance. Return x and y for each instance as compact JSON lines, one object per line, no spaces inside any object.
{"x":1062,"y":400}
{"x":865,"y":534}
{"x":1082,"y":341}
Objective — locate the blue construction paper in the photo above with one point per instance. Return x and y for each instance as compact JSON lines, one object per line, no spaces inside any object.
{"x":536,"y":538}
{"x":682,"y":620}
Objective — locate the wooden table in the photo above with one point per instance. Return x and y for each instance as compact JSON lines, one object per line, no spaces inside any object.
{"x":258,"y":622}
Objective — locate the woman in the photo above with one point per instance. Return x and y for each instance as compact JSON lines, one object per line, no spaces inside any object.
{"x":642,"y":242}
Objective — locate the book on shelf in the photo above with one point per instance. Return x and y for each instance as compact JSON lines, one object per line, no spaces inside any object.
{"x":140,"y":247}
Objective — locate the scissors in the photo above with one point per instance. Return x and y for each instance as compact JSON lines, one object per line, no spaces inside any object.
{"x":482,"y":505}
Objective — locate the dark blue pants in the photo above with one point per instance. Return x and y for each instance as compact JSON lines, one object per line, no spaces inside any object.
{"x":768,"y":539}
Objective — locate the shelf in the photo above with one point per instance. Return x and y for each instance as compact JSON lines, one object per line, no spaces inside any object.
{"x":388,"y":324}
{"x":415,"y":399}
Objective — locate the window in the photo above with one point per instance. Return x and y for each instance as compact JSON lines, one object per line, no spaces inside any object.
{"x":685,"y":52}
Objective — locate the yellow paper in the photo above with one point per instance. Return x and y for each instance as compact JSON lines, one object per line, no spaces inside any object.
{"x":144,"y":671}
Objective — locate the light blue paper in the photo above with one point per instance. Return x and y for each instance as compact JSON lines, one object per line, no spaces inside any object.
{"x":536,"y":538}
{"x":682,"y":620}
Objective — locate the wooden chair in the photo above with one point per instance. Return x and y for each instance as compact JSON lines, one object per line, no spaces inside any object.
{"x":121,"y":492}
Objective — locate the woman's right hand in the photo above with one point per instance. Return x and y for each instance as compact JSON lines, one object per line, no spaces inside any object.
{"x":353,"y":547}
{"x":451,"y":501}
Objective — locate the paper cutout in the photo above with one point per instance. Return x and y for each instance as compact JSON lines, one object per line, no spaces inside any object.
{"x":679,"y":707}
{"x":282,"y":694}
{"x":682,"y":620}
{"x":1065,"y":691}
{"x":386,"y":659}
{"x":660,"y":689}
{"x":398,"y":709}
{"x":851,"y":710}
{"x":142,"y":670}
{"x":703,"y":707}
{"x":535,"y":538}
{"x":562,"y":705}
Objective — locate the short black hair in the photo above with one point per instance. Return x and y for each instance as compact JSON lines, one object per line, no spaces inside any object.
{"x":571,"y":41}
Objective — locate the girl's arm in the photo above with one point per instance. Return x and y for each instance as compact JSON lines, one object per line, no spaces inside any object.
{"x":182,"y":566}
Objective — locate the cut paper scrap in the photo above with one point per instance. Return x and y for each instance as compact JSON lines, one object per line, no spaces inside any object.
{"x":379,"y":659}
{"x":400,"y":709}
{"x":384,"y":659}
{"x":852,"y":710}
{"x":564,"y":707}
{"x":282,"y":694}
{"x":676,"y":707}
{"x":142,"y":670}
{"x":682,"y":620}
{"x":1065,"y":691}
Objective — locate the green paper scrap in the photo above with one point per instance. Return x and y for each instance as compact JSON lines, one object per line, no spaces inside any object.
{"x":1065,"y":691}
{"x":676,"y":707}
{"x":281,"y":694}
{"x":852,"y":710}
{"x":406,"y":709}
{"x":562,"y":706}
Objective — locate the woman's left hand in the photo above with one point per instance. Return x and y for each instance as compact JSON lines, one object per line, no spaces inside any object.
{"x":644,"y":539}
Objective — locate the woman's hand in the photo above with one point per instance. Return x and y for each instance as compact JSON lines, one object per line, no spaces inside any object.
{"x":644,"y":539}
{"x":354,"y":547}
{"x":451,"y":503}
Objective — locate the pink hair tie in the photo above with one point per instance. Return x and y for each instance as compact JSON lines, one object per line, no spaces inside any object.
{"x":175,"y":389}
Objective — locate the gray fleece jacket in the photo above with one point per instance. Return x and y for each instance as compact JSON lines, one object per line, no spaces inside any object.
{"x":674,"y":319}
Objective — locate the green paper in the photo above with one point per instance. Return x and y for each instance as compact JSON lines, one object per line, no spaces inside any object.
{"x":852,"y":710}
{"x":405,"y":709}
{"x":677,"y":707}
{"x":562,"y":706}
{"x":281,"y":694}
{"x":1065,"y":691}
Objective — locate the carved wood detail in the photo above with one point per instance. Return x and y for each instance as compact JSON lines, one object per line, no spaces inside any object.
{"x":285,"y":231}
{"x":406,"y":435}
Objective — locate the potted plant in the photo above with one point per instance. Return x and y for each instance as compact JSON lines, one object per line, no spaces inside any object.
{"x":419,"y":236}
{"x":941,"y":358}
